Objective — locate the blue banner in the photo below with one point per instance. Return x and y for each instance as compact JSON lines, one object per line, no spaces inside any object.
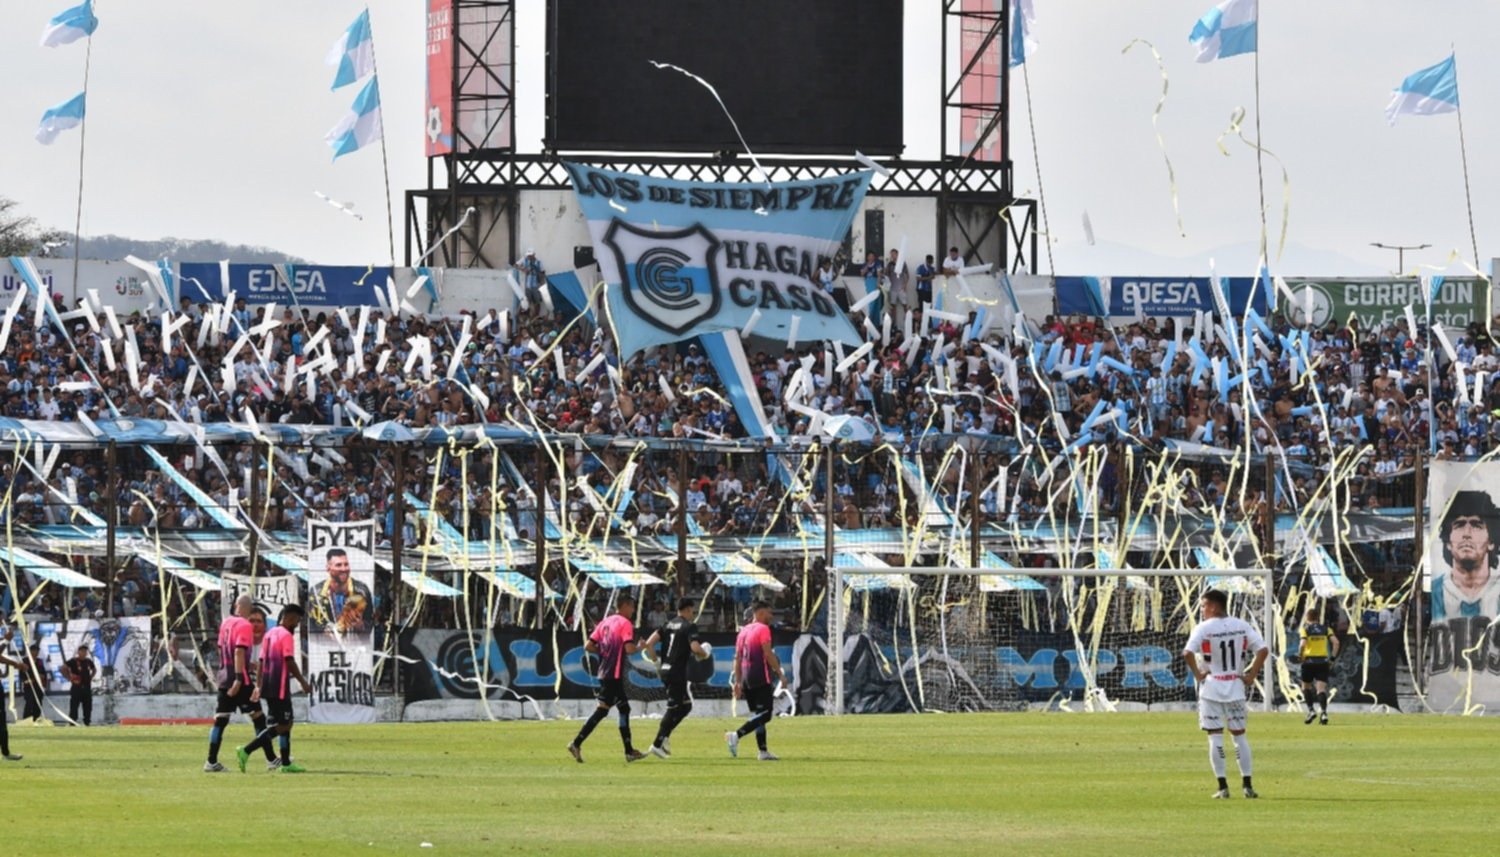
{"x":686,"y":258}
{"x":1155,"y":296}
{"x":310,"y":285}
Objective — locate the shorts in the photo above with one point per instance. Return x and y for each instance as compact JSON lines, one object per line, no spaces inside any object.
{"x":677,"y":694}
{"x":1214,"y":715}
{"x":239,"y":702}
{"x":279,"y":712}
{"x":1312,"y":672}
{"x":758,"y":698}
{"x":611,"y":692}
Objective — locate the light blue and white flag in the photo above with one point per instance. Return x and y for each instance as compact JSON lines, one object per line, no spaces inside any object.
{"x":361,"y":126}
{"x":1022,"y":22}
{"x":687,"y":258}
{"x":1432,"y":90}
{"x":70,"y":25}
{"x":354,"y":52}
{"x":68,"y":114}
{"x":1227,"y":30}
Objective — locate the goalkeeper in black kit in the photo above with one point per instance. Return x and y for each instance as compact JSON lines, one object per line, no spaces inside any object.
{"x":679,"y":641}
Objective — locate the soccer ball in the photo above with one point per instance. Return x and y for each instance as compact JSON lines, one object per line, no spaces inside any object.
{"x":708,"y":652}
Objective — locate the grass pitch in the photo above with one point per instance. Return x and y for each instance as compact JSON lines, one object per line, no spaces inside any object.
{"x":958,"y":784}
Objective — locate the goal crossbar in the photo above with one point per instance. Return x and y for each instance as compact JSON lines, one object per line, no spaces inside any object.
{"x":836,"y":618}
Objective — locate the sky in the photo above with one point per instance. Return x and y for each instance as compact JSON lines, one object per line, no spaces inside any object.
{"x":206,"y":120}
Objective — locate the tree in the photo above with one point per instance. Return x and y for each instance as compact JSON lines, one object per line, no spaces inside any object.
{"x":20,"y":235}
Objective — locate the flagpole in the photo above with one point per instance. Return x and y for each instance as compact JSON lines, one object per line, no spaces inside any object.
{"x":1036,"y":161}
{"x":83,"y":127}
{"x":1463,"y":149}
{"x":390,"y":217}
{"x":1260,"y":171}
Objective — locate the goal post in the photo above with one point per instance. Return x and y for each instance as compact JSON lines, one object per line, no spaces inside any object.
{"x":973,"y":639}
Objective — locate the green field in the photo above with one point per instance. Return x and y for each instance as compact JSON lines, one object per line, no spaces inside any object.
{"x":960,"y":784}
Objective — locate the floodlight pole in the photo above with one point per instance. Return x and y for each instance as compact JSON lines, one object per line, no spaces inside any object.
{"x":1400,"y":253}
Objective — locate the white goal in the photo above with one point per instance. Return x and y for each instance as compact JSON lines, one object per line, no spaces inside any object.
{"x":986,"y":639}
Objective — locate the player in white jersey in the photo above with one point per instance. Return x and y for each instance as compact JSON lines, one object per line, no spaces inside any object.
{"x":1217,"y":652}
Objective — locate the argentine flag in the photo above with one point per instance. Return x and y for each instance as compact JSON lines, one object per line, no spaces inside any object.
{"x":68,"y":114}
{"x":1022,"y":21}
{"x":70,"y":25}
{"x":1227,"y":30}
{"x":362,"y":125}
{"x":354,"y":52}
{"x":1432,"y":90}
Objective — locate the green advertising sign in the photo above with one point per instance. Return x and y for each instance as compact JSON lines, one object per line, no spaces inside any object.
{"x":1376,"y":302}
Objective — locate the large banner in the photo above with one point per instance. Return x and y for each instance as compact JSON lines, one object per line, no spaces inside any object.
{"x":340,"y":621}
{"x":1463,"y":551}
{"x":1133,"y":297}
{"x":117,"y":284}
{"x":1375,"y":302}
{"x":687,"y":258}
{"x":270,"y":593}
{"x":120,"y":648}
{"x":439,"y":127}
{"x":287,"y":285}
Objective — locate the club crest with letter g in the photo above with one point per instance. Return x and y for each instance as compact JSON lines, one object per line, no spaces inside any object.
{"x":669,"y":278}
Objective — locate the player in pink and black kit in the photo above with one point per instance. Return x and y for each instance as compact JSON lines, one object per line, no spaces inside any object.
{"x":236,"y":637}
{"x":754,"y":664}
{"x":613,"y":641}
{"x":278,"y":665}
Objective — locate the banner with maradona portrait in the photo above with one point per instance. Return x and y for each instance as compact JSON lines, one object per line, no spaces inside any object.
{"x":683,"y":258}
{"x":1463,"y":552}
{"x":341,"y":621}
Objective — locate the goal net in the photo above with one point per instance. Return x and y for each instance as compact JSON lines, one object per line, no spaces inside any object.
{"x":986,"y":639}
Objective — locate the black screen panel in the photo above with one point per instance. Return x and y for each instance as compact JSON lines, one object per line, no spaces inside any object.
{"x":799,"y":76}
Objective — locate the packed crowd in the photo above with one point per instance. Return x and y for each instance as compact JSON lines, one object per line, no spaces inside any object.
{"x":320,"y":367}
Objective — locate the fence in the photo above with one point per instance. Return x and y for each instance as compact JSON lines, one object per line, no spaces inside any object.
{"x":513,"y":534}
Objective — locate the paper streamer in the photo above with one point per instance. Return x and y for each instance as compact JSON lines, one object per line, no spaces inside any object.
{"x":1155,"y":124}
{"x":715,"y":93}
{"x":1235,"y":127}
{"x":347,"y":208}
{"x":858,"y":156}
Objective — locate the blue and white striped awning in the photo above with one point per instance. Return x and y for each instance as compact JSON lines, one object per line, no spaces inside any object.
{"x":870,"y":582}
{"x":611,"y":573}
{"x":512,"y":583}
{"x":1003,"y":582}
{"x":740,"y":572}
{"x":428,"y":586}
{"x":290,"y":563}
{"x":1328,"y":578}
{"x":47,"y":570}
{"x":186,"y":573}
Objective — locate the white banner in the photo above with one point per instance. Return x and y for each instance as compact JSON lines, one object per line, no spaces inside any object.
{"x":270,"y":593}
{"x":1463,"y":664}
{"x":340,"y":626}
{"x":120,"y":649}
